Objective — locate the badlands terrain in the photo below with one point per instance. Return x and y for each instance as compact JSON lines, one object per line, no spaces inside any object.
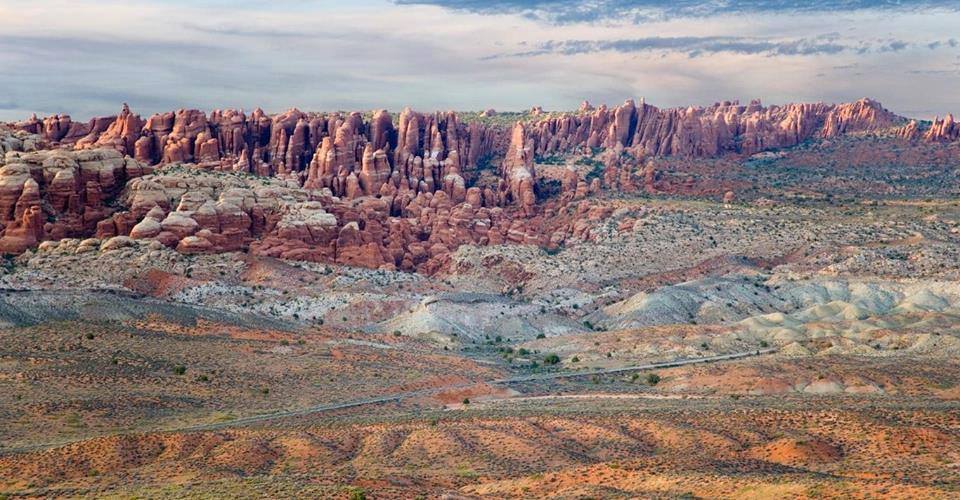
{"x":736,"y":301}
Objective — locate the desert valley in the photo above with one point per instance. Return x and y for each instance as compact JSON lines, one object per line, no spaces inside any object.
{"x":737,"y":300}
{"x":479,"y":249}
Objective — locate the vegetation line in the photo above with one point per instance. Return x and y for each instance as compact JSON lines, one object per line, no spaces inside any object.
{"x":651,"y":366}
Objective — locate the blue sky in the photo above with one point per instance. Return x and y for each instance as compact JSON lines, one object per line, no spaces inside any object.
{"x":85,"y":57}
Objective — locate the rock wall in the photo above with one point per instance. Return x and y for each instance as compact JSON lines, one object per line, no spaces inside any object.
{"x":289,"y":142}
{"x":198,"y":212}
{"x":727,"y":127}
{"x":369,"y":190}
{"x":945,"y":130}
{"x":350,"y":154}
{"x":54,"y":194}
{"x":421,"y":149}
{"x":106,"y":200}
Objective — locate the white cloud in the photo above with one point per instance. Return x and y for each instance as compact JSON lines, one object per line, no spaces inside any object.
{"x":86,"y":57}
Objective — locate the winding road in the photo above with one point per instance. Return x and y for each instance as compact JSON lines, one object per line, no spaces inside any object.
{"x":503,"y":381}
{"x":311,"y":410}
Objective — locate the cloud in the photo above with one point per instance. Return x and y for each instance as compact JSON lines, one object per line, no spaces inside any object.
{"x":245,"y":31}
{"x":85,"y":57}
{"x":694,"y":46}
{"x":952,"y":43}
{"x":893,"y":46}
{"x":935,"y":72}
{"x":639,"y":11}
{"x":93,"y":46}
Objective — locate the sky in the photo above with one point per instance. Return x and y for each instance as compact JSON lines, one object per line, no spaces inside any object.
{"x":85,"y":58}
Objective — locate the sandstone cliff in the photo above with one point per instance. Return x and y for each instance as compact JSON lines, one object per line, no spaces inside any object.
{"x":726,"y":127}
{"x":372,"y":190}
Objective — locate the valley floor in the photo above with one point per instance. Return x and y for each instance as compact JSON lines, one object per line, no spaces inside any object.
{"x":825,"y":340}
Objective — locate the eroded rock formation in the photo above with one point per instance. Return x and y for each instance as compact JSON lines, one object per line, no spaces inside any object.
{"x":945,"y":130}
{"x":369,"y":190}
{"x":54,"y":194}
{"x":726,"y":127}
{"x":199,"y":212}
{"x":517,"y":171}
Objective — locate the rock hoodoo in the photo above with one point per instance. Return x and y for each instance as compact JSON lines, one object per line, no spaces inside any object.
{"x":368,"y":189}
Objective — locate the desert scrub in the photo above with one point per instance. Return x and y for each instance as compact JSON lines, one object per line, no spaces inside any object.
{"x":356,"y":493}
{"x":466,"y":472}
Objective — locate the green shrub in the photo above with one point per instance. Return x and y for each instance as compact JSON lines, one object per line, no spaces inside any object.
{"x":548,"y":188}
{"x":357,"y":493}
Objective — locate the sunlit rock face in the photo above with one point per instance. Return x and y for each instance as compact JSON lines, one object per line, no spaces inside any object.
{"x":374,"y":191}
{"x":727,"y":127}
